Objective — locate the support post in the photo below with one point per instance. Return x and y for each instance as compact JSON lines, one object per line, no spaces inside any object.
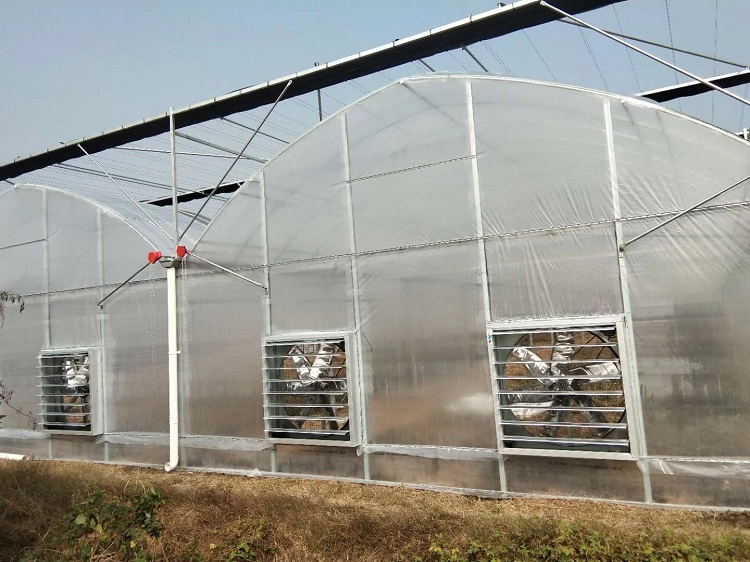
{"x":173,"y":148}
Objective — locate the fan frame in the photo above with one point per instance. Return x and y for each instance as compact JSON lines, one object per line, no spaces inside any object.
{"x":628,"y":372}
{"x":95,"y":388}
{"x":352,"y":383}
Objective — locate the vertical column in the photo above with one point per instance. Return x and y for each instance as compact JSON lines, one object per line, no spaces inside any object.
{"x":173,"y":150}
{"x":267,"y":280}
{"x":628,"y":359}
{"x":485,"y":281}
{"x":101,"y":400}
{"x":359,"y":380}
{"x":45,"y":265}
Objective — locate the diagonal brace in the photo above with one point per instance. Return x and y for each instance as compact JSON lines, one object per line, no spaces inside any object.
{"x":239,"y":155}
{"x":145,"y":212}
{"x":222,"y":268}
{"x":678,"y":215}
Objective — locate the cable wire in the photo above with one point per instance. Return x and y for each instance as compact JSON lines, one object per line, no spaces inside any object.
{"x":627,"y":51}
{"x":671,"y":44}
{"x":593,"y":59}
{"x":539,"y":54}
{"x":716,"y":42}
{"x":494,"y":55}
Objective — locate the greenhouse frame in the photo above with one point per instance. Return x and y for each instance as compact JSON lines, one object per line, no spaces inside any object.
{"x":492,"y":285}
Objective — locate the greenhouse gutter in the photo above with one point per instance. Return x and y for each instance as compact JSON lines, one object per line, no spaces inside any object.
{"x":487,"y":25}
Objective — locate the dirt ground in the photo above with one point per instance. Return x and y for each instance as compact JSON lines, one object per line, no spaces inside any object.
{"x":51,"y":511}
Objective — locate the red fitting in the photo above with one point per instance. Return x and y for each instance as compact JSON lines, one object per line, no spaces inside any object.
{"x":154,"y":257}
{"x":182,"y":251}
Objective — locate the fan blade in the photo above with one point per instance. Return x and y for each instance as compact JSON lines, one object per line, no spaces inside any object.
{"x":537,"y":369}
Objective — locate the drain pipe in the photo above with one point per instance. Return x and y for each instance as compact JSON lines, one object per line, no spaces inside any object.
{"x":13,"y":457}
{"x":171,"y":265}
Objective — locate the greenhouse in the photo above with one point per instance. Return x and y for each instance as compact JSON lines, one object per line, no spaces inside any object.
{"x":486,"y":284}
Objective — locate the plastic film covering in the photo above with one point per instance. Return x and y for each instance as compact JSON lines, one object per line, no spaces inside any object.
{"x":410,"y":123}
{"x":23,"y":270}
{"x":542,"y":154}
{"x":729,"y":469}
{"x":76,"y":447}
{"x":424,"y":351}
{"x":710,"y":491}
{"x":559,"y":476}
{"x":74,"y":319}
{"x":221,"y":354}
{"x":473,"y":474}
{"x":237,"y":239}
{"x":666,"y":162}
{"x":21,"y":217}
{"x":135,"y":340}
{"x":73,"y":230}
{"x":22,"y":337}
{"x":229,"y":459}
{"x":432,"y":452}
{"x":306,"y":206}
{"x":311,"y":296}
{"x":554,"y":274}
{"x":689,"y":297}
{"x":416,"y":206}
{"x":24,"y":442}
{"x":124,"y":251}
{"x":320,"y":461}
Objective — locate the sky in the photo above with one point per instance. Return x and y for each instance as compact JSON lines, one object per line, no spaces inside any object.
{"x":75,"y":68}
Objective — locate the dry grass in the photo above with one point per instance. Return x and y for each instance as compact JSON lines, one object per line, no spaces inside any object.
{"x":206,"y":517}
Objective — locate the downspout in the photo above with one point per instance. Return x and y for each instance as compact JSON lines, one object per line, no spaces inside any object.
{"x":171,"y":265}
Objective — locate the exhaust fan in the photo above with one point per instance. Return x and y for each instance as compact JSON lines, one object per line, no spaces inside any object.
{"x":561,"y":388}
{"x":307,"y":390}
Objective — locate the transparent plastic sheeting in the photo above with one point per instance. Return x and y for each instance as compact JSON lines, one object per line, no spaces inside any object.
{"x":704,"y":467}
{"x":214,"y":442}
{"x":386,"y":220}
{"x":708,"y":468}
{"x":690,"y":311}
{"x":427,"y":452}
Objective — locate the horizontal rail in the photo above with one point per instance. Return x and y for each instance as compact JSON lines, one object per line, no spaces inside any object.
{"x":534,"y":331}
{"x":303,"y":406}
{"x":289,"y":356}
{"x":564,"y":362}
{"x":566,"y":424}
{"x":568,"y":440}
{"x":307,"y":418}
{"x":564,"y":408}
{"x":309,"y":431}
{"x":562,"y":392}
{"x":60,"y":424}
{"x":307,"y":392}
{"x":321,"y":367}
{"x":579,"y":345}
{"x":64,"y":405}
{"x":305,"y":381}
{"x":48,"y":395}
{"x":560,"y":378}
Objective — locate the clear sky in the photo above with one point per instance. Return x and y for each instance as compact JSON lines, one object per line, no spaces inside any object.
{"x":74,"y":68}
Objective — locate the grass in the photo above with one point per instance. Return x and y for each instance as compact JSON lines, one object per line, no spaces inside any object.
{"x":75,"y":511}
